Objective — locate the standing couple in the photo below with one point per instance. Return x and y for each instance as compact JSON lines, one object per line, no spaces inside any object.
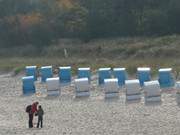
{"x":35,"y":110}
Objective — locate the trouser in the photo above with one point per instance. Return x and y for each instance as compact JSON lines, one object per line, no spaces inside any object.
{"x":40,"y":121}
{"x":30,"y":120}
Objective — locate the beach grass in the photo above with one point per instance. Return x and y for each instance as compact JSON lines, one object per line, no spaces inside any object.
{"x":154,"y":52}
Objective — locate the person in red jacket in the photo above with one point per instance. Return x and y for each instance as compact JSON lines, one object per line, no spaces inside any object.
{"x":34,"y":109}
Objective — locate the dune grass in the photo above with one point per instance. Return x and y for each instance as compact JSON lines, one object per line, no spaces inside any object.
{"x":155,"y":52}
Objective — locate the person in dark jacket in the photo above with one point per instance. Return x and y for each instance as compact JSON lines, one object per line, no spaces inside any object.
{"x":30,"y":118}
{"x":40,"y":113}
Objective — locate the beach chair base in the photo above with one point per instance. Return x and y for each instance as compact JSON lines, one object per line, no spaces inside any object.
{"x":133,"y":97}
{"x":83,"y":94}
{"x":153,"y":99}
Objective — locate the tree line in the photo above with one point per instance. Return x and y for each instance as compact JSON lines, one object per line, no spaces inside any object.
{"x":41,"y":22}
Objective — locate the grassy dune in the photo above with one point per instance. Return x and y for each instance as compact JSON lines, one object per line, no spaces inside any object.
{"x":155,"y":52}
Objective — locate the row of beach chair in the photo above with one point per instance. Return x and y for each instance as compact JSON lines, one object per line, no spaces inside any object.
{"x":111,"y":80}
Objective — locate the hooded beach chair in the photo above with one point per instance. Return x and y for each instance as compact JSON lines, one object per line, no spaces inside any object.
{"x":46,"y":72}
{"x":31,"y":71}
{"x":53,"y":86}
{"x":152,"y":91}
{"x":121,"y":75}
{"x":28,"y":85}
{"x":166,"y":79}
{"x":143,"y":74}
{"x":82,"y":87}
{"x":177,"y":86}
{"x":132,"y":89}
{"x":111,"y":88}
{"x":84,"y":73}
{"x":104,"y":73}
{"x":65,"y":74}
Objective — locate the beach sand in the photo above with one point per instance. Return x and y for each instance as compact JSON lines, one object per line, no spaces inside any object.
{"x":67,"y":115}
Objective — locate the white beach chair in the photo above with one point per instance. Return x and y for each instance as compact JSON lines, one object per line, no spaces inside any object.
{"x":111,"y":88}
{"x":82,"y":87}
{"x":152,"y":91}
{"x":177,"y":86}
{"x":53,"y":86}
{"x":132,"y":89}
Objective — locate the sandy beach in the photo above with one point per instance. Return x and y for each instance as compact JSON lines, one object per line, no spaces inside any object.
{"x":67,"y":115}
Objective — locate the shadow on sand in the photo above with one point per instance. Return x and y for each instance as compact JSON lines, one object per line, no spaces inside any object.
{"x":111,"y":99}
{"x":81,"y":98}
{"x":132,"y":101}
{"x":153,"y":103}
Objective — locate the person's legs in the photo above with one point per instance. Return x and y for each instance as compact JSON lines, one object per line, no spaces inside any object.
{"x":41,"y":122}
{"x":30,"y":120}
{"x":38,"y":122}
